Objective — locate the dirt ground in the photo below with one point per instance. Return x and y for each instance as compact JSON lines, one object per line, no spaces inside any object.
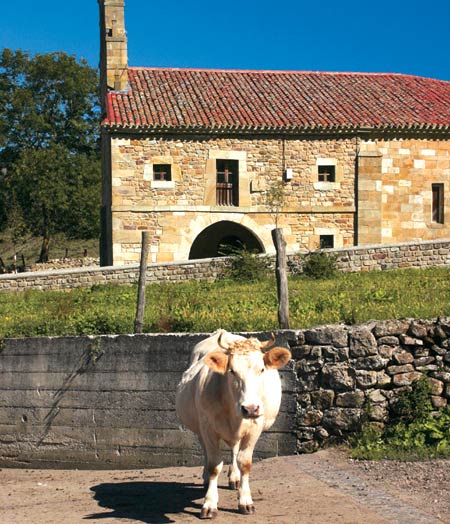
{"x":323,"y":488}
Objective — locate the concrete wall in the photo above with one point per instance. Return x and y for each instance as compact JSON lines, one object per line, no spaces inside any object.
{"x":376,"y":257}
{"x":109,"y":401}
{"x":106,"y":402}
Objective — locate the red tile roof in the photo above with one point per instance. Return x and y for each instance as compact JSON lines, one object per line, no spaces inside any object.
{"x":269,"y":101}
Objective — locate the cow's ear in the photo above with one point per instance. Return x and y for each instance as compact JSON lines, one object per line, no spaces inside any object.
{"x":217,"y":361}
{"x":277,"y":358}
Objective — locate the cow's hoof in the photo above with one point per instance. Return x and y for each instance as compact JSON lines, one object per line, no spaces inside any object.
{"x":247,"y":509}
{"x":209,"y":513}
{"x":234,"y":484}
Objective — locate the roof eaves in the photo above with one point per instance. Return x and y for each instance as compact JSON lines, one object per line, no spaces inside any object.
{"x":311,"y":130}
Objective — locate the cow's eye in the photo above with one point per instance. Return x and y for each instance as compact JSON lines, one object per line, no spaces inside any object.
{"x":232,"y":371}
{"x":262,"y":370}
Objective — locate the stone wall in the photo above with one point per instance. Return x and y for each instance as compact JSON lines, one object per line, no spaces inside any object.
{"x":381,"y":192}
{"x":177,"y":211}
{"x":207,"y":269}
{"x":108,"y":401}
{"x":379,"y":257}
{"x":340,"y":369}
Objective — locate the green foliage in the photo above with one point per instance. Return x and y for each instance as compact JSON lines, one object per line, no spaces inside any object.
{"x":234,"y":305}
{"x":16,"y":220}
{"x":246,"y":266}
{"x":49,"y":144}
{"x":414,"y":404}
{"x":62,"y":191}
{"x":320,"y":265}
{"x":47,"y":99}
{"x":413,"y":432}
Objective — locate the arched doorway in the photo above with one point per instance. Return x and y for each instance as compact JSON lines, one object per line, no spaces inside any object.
{"x":222,"y":238}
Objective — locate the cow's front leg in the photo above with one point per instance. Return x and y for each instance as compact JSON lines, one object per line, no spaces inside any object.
{"x":245,"y":460}
{"x":214,"y":467}
{"x":234,"y":475}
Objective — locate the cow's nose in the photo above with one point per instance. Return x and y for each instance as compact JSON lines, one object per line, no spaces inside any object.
{"x":250,"y":411}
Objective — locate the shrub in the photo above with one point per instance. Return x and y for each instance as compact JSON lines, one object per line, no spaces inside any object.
{"x":414,"y":404}
{"x":247,"y":266}
{"x":414,"y":431}
{"x":320,"y":265}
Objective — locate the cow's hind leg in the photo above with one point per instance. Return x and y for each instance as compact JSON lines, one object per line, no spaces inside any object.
{"x":214,"y":467}
{"x":234,"y":475}
{"x":205,"y":475}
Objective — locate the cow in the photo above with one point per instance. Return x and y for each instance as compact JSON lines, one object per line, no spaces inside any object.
{"x":231,"y":392}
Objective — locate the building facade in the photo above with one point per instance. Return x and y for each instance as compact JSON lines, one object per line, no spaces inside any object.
{"x":192,"y":156}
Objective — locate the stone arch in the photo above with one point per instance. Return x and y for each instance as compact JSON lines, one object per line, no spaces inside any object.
{"x":218,"y":238}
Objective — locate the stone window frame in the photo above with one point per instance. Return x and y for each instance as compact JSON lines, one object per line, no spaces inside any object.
{"x":437,"y":204}
{"x":338,"y":240}
{"x":149,"y":175}
{"x":211,"y":173}
{"x":325,"y":185}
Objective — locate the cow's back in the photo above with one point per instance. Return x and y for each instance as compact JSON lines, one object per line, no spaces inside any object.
{"x":195,"y":379}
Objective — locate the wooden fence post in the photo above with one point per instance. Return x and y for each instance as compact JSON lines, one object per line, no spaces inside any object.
{"x":140,"y":309}
{"x":281,"y":275}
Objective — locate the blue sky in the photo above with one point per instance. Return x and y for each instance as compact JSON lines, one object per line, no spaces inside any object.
{"x":411,"y":37}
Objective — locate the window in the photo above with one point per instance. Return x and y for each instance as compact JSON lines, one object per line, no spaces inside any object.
{"x":326,"y":241}
{"x":227,"y":182}
{"x":162,"y":172}
{"x":327,"y":173}
{"x":437,"y":210}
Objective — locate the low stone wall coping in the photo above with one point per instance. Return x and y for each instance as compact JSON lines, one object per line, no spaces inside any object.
{"x":352,"y":258}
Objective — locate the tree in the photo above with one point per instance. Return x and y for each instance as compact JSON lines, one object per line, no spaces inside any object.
{"x":49,"y":143}
{"x":47,"y":99}
{"x":47,"y":184}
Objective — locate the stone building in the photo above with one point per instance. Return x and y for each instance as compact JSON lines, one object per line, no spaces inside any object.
{"x":190,"y":155}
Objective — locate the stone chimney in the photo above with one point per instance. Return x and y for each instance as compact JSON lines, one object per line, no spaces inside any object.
{"x":113,"y":47}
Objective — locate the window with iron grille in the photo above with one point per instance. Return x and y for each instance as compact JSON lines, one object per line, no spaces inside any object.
{"x":227,"y":182}
{"x":437,"y":211}
{"x":162,"y":172}
{"x":327,"y":173}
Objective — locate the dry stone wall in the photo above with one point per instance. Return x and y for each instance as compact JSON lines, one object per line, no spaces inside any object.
{"x":342,"y":369}
{"x":353,"y":259}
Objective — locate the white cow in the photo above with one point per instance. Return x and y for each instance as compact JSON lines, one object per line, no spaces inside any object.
{"x":231,"y":392}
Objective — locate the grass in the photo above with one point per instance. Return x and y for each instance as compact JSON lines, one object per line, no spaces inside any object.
{"x":236,"y":306}
{"x":30,"y":248}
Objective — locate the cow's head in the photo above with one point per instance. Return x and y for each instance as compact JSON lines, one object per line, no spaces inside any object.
{"x":244,"y":364}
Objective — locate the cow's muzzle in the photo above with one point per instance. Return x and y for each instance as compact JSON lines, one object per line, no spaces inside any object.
{"x":250,"y":411}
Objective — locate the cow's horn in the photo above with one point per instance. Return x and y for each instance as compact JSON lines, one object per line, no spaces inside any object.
{"x":219,"y":341}
{"x":268,"y":344}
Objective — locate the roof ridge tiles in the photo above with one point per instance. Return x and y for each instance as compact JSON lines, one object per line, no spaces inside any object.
{"x":284,"y":71}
